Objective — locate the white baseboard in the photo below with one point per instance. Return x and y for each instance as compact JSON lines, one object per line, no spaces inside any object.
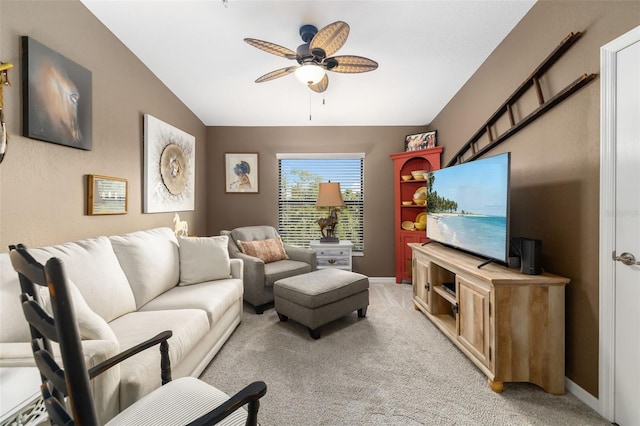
{"x":582,"y":395}
{"x":382,"y":280}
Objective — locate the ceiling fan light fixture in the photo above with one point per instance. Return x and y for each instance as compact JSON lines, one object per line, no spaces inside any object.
{"x":309,"y":73}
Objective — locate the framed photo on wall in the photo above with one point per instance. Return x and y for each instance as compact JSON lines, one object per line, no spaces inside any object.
{"x":241,"y":173}
{"x":420,"y":141}
{"x":107,"y":195}
{"x":57,"y":102}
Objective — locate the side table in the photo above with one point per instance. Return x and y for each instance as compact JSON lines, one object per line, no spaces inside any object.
{"x":333,"y":255}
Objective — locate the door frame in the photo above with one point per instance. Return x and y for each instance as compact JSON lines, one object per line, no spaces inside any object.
{"x":606,"y":357}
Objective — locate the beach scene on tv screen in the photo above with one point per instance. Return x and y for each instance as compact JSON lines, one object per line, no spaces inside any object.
{"x":467,"y":206}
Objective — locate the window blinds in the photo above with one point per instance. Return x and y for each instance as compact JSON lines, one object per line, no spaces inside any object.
{"x":299,"y":176}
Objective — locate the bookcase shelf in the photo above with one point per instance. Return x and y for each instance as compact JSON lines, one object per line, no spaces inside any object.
{"x":403,"y":164}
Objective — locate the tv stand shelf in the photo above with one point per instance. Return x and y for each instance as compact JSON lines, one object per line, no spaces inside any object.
{"x":509,"y":324}
{"x":445,"y":294}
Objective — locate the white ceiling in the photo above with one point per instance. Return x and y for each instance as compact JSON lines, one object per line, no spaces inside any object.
{"x":426,"y":51}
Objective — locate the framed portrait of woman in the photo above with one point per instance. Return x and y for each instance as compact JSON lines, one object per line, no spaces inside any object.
{"x":241,"y":173}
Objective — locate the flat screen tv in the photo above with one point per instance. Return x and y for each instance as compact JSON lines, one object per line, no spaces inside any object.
{"x":468,"y":207}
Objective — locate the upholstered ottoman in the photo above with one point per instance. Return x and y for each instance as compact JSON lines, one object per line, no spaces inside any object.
{"x":319,"y":297}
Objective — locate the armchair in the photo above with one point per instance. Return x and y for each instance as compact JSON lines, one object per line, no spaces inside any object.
{"x":67,"y":391}
{"x":260,"y":268}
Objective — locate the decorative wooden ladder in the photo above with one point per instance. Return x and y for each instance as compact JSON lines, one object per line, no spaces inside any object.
{"x":506,"y":108}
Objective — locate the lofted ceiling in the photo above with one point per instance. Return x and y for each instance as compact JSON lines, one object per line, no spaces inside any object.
{"x":426,"y":50}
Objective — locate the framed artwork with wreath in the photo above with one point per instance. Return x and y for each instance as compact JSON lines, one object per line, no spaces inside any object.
{"x":169,"y":167}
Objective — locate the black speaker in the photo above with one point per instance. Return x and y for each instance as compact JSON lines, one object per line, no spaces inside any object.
{"x":531,"y":251}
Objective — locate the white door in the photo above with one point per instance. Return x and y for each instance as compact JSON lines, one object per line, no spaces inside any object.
{"x":620,"y":284}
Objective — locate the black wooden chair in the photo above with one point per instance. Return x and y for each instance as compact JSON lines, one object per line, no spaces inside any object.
{"x":66,"y":391}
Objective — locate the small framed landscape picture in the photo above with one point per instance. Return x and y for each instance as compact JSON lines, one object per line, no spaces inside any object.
{"x":106,"y":195}
{"x":420,"y":141}
{"x":241,"y":172}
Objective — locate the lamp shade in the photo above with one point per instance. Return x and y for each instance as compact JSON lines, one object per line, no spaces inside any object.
{"x":329,"y":195}
{"x":309,"y":73}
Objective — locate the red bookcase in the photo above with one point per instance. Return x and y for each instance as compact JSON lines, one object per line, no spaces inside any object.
{"x":403,"y":164}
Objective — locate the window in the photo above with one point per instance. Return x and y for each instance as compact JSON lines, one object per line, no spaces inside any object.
{"x":299,"y":176}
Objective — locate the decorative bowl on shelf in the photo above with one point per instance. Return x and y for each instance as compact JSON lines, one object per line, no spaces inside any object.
{"x":407,"y":225}
{"x":422,"y":217}
{"x":421,"y":193}
{"x":420,"y":201}
{"x":407,"y":203}
{"x":420,"y":226}
{"x":406,"y":177}
{"x":418,"y":174}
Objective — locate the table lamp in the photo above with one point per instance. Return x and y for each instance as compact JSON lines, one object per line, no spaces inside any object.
{"x":329,"y":195}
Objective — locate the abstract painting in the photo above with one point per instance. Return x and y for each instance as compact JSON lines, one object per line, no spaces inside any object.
{"x":169,"y":167}
{"x":56,"y":97}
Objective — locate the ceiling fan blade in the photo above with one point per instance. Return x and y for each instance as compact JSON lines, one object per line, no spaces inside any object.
{"x":329,"y":39}
{"x":320,"y":86}
{"x":271,"y":48}
{"x":350,"y":64}
{"x":277,"y":74}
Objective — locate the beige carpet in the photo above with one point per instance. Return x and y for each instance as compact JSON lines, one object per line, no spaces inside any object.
{"x":391,"y":368}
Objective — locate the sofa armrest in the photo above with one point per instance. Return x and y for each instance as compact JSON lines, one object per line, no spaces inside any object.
{"x":106,"y":387}
{"x":159,"y":339}
{"x":16,"y":354}
{"x":236,"y":268}
{"x":20,"y":354}
{"x":302,"y":254}
{"x":252,"y":277}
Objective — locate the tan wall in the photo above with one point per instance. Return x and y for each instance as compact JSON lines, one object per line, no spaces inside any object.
{"x":227,"y":211}
{"x":42,"y":185}
{"x":555,"y":160}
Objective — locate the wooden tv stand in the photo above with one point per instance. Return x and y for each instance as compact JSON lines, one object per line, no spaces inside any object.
{"x":510,"y":324}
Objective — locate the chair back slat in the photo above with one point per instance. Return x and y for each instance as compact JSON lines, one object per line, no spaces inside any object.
{"x":72,"y":379}
{"x":50,"y":369}
{"x":57,"y":413}
{"x":39,"y":319}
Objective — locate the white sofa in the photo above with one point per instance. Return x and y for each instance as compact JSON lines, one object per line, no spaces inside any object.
{"x":132,"y":287}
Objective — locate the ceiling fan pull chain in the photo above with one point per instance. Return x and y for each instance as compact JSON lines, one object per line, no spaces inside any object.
{"x":309,"y":106}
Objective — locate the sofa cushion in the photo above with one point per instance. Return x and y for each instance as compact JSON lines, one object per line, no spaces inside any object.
{"x":269,"y":250}
{"x":321,"y":287}
{"x":92,"y":265}
{"x":90,"y":324}
{"x":13,"y":326}
{"x":203,"y":259}
{"x":285,"y":268}
{"x":213,"y":297}
{"x":140,"y":374}
{"x":150,"y":261}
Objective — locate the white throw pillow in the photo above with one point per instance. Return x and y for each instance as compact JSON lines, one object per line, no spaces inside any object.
{"x":90,"y":324}
{"x":94,"y":268}
{"x":203,"y":259}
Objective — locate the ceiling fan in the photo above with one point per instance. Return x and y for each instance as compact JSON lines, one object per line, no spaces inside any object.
{"x":314,"y":56}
